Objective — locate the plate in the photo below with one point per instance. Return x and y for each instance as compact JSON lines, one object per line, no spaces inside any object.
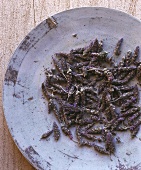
{"x":25,"y":108}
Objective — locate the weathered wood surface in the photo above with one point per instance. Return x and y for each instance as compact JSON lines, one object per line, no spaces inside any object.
{"x":17,"y":18}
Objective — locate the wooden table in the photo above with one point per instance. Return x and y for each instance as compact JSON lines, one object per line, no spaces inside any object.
{"x":17,"y":18}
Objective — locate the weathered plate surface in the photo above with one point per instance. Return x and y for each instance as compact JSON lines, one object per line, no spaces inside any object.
{"x":25,"y":108}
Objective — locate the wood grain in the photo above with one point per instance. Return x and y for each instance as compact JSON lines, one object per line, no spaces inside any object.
{"x":17,"y":18}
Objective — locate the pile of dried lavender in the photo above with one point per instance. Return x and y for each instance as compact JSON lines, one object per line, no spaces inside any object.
{"x":89,"y":91}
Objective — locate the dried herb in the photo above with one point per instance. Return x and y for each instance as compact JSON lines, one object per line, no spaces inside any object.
{"x":97,"y":100}
{"x":47,"y":134}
